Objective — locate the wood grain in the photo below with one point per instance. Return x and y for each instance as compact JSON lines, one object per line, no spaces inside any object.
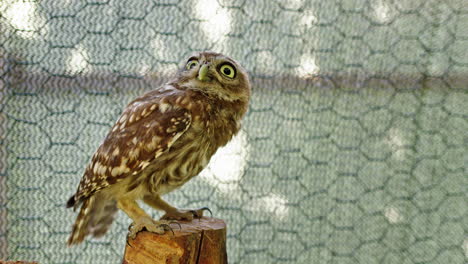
{"x":201,"y":241}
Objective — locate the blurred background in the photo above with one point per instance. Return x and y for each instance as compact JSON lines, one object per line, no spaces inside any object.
{"x":354,"y":149}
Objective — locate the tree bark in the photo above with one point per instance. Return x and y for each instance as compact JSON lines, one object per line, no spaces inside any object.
{"x":201,"y":241}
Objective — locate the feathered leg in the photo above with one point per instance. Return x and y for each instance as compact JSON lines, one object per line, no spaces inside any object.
{"x":173,"y":213}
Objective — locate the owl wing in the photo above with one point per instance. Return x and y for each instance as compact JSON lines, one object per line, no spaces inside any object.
{"x":146,"y":129}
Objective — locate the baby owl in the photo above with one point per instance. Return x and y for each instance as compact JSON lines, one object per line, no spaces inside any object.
{"x":162,"y":139}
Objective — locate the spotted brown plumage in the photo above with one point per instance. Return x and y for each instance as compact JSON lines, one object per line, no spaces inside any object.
{"x":161,"y":140}
{"x":145,"y":130}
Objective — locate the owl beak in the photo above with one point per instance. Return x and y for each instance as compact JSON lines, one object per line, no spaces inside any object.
{"x":203,"y":73}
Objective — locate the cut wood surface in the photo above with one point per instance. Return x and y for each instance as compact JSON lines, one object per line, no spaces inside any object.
{"x":201,"y":241}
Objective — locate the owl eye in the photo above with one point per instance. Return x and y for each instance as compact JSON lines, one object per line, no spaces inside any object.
{"x":191,"y":64}
{"x":228,"y":71}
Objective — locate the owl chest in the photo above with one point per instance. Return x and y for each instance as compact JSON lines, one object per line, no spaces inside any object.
{"x":189,"y":155}
{"x":184,"y":160}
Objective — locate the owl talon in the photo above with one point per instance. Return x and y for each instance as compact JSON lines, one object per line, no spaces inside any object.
{"x":177,"y":223}
{"x":167,"y":227}
{"x":147,"y":223}
{"x":197,"y":213}
{"x":128,"y":243}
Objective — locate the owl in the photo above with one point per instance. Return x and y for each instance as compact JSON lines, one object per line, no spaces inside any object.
{"x":161,"y":140}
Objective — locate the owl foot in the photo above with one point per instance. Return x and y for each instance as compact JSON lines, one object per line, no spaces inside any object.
{"x":185,"y":214}
{"x":151,"y":225}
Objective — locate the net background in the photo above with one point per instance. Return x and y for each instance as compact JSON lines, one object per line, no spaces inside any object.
{"x":354,"y":149}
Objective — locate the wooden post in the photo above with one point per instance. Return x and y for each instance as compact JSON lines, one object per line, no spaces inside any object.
{"x":201,"y":241}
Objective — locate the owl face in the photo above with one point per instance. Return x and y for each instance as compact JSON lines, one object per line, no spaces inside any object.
{"x":216,"y":75}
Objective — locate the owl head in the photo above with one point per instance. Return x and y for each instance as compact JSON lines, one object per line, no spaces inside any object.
{"x":216,"y":75}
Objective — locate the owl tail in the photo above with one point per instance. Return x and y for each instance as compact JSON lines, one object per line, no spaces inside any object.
{"x":80,"y":228}
{"x":102,"y":217}
{"x":95,"y":217}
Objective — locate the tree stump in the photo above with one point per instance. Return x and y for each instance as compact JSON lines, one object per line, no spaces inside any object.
{"x":201,"y":241}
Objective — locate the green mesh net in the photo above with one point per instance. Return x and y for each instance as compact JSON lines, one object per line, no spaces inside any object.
{"x":354,"y":149}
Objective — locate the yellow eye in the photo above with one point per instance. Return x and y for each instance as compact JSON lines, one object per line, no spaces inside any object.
{"x":228,"y":71}
{"x":191,"y":64}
